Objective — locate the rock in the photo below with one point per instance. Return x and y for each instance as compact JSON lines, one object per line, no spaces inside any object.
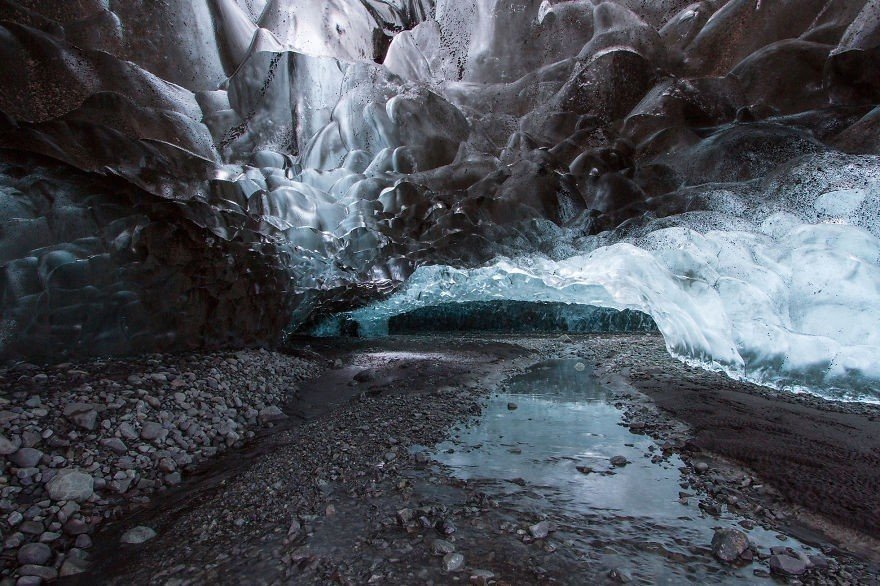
{"x":701,"y":467}
{"x":76,"y":527}
{"x":365,"y":376}
{"x":115,"y":444}
{"x":127,"y":431}
{"x":512,"y":406}
{"x":8,"y":446}
{"x":729,"y":544}
{"x":152,"y":430}
{"x":31,"y":527}
{"x":452,"y":562}
{"x":26,"y":457}
{"x":83,"y":541}
{"x":786,"y":565}
{"x":29,"y":581}
{"x":49,"y":536}
{"x":271,"y":413}
{"x":481,"y":577}
{"x":618,"y":575}
{"x":73,"y":566}
{"x":584,"y":469}
{"x":34,"y":553}
{"x":442,"y":547}
{"x":71,"y":485}
{"x":84,"y":415}
{"x":405,"y":516}
{"x":618,"y":461}
{"x":540,"y":530}
{"x":445,"y":527}
{"x":138,"y":535}
{"x":44,"y":572}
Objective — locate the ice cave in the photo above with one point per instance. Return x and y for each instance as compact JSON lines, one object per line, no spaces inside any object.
{"x":439,"y":291}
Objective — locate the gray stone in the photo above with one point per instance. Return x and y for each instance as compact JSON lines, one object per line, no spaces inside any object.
{"x":26,"y":457}
{"x":71,"y":485}
{"x":138,"y":535}
{"x":127,"y":431}
{"x":512,"y":406}
{"x":481,"y":577}
{"x":34,"y":553}
{"x":83,"y":541}
{"x":8,"y":446}
{"x":76,"y":527}
{"x":44,"y":572}
{"x":73,"y":566}
{"x":540,"y":530}
{"x":271,"y":413}
{"x":729,"y":544}
{"x":152,"y":430}
{"x":32,"y":527}
{"x":452,"y":562}
{"x":29,"y":581}
{"x":115,"y":444}
{"x":619,"y":461}
{"x":84,"y":415}
{"x":787,"y":565}
{"x":442,"y":547}
{"x":701,"y":467}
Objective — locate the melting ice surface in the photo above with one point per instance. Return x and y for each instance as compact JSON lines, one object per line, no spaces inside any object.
{"x":796,"y":306}
{"x":633,"y":517}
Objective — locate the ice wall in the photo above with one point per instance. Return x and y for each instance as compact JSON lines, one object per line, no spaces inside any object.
{"x":307,"y":159}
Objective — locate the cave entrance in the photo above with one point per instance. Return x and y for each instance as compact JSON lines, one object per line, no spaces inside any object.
{"x":499,"y":316}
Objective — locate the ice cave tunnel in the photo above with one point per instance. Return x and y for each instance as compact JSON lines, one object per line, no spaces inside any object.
{"x":222,"y":173}
{"x":439,"y":292}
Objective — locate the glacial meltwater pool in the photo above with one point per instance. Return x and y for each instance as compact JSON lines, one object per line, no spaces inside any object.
{"x":544,"y":446}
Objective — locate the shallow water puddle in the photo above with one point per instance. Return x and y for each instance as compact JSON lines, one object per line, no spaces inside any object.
{"x":544,"y":446}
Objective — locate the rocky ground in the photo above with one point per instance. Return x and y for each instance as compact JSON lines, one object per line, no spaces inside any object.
{"x":82,"y":443}
{"x":345,"y":490}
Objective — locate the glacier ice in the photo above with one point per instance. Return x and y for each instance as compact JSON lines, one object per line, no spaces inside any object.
{"x":212,"y":172}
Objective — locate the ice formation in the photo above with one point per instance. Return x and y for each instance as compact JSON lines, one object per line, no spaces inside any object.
{"x":206,"y":172}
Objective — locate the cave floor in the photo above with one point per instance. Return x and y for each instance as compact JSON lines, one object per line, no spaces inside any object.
{"x":412,"y":449}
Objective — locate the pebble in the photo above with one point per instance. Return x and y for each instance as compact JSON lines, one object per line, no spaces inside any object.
{"x":115,"y":444}
{"x":729,"y":544}
{"x":453,"y":562}
{"x":787,"y":565}
{"x":138,"y":535}
{"x":34,"y":553}
{"x":71,"y":485}
{"x":540,"y":530}
{"x":442,"y":547}
{"x":152,"y":430}
{"x":26,"y":457}
{"x":7,"y":446}
{"x":619,"y":461}
{"x":481,"y":577}
{"x":271,"y":413}
{"x":512,"y":406}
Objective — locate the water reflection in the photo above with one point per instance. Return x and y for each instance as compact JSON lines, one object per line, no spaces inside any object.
{"x":546,"y":444}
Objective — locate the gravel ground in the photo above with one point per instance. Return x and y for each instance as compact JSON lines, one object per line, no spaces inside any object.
{"x":82,"y":443}
{"x":344,"y":491}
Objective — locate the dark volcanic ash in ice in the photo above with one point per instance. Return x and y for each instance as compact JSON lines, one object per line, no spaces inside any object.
{"x":205,"y":172}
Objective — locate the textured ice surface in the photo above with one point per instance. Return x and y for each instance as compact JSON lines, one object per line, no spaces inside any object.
{"x":239,"y":169}
{"x":801,"y":310}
